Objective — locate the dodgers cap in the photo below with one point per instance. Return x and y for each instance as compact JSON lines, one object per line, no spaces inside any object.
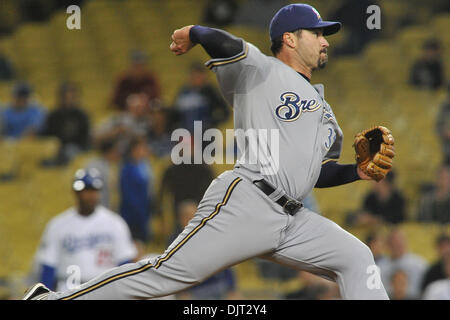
{"x":300,"y":16}
{"x":87,"y":179}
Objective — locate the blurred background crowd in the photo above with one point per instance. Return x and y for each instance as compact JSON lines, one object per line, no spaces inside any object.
{"x":109,"y":95}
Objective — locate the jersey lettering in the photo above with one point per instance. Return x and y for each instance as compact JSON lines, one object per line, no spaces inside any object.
{"x":73,"y":244}
{"x":292,"y":106}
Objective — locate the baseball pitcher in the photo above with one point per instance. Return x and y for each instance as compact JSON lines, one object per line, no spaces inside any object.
{"x":255,"y":210}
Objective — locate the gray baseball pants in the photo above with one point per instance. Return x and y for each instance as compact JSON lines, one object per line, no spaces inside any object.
{"x":236,"y":221}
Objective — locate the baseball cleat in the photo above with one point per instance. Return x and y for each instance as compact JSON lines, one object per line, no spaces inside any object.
{"x":37,"y":292}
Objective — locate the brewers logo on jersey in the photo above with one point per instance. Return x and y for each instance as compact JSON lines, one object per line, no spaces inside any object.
{"x":293,"y":106}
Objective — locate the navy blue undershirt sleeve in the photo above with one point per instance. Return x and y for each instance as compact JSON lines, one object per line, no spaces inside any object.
{"x":217,"y":43}
{"x":333,"y":174}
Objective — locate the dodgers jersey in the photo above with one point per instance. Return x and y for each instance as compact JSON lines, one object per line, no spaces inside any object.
{"x":94,"y":244}
{"x":294,"y":126}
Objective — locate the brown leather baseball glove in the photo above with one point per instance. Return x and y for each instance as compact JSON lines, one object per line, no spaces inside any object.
{"x":374,"y":149}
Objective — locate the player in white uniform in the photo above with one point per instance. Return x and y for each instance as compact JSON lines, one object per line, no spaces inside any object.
{"x":255,"y":210}
{"x":85,"y":240}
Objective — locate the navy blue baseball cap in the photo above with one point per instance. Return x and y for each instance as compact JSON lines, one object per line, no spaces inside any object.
{"x":22,"y":89}
{"x":300,"y":16}
{"x":87,"y":179}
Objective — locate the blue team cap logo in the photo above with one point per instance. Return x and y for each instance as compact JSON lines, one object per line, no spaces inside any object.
{"x":292,"y":106}
{"x":300,"y":16}
{"x":87,"y":179}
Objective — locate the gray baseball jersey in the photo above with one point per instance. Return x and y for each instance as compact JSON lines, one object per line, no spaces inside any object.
{"x":236,"y":220}
{"x":269,"y":95}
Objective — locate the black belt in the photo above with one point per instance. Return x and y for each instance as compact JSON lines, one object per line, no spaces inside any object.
{"x":289,"y":206}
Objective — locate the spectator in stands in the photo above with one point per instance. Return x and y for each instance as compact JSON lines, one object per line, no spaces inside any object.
{"x":313,"y":288}
{"x":5,"y":289}
{"x":39,"y":10}
{"x":138,"y":78}
{"x":7,"y":72}
{"x":220,"y":13}
{"x":434,"y":206}
{"x":440,"y":289}
{"x":437,"y":270}
{"x":440,"y":6}
{"x":264,"y":9}
{"x":274,"y":271}
{"x":198,"y":100}
{"x":401,"y":259}
{"x":185,"y":212}
{"x":428,"y":72}
{"x":375,"y":242}
{"x":220,"y":286}
{"x":136,"y":190}
{"x":384,"y":204}
{"x":443,"y":125}
{"x":127,"y":124}
{"x":69,"y":123}
{"x":22,"y":117}
{"x":185,"y":181}
{"x":399,"y":286}
{"x":352,"y":14}
{"x":88,"y":237}
{"x":106,"y":163}
{"x":159,"y":134}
